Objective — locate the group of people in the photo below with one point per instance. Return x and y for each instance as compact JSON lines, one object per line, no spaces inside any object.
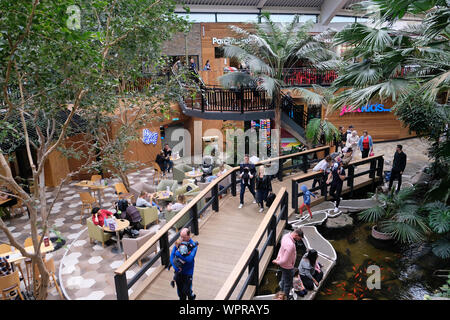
{"x":302,"y":278}
{"x":350,"y":140}
{"x":163,"y":159}
{"x":333,"y":174}
{"x":252,"y":180}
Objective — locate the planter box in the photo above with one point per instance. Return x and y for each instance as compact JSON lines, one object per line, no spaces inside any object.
{"x":380,"y":235}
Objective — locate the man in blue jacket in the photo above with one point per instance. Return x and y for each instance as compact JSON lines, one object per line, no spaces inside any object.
{"x":184,"y":281}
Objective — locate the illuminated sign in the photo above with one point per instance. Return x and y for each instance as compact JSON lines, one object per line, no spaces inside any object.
{"x":149,"y":137}
{"x":367,"y":108}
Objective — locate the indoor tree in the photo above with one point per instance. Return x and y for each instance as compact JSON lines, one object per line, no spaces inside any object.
{"x":322,"y":130}
{"x":269,"y":50}
{"x":55,"y":67}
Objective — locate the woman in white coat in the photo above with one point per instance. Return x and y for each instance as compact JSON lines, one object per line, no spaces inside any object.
{"x":352,"y":140}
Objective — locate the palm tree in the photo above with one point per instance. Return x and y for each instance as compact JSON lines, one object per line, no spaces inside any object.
{"x":318,"y":129}
{"x":270,"y":50}
{"x":391,"y":63}
{"x":399,"y":215}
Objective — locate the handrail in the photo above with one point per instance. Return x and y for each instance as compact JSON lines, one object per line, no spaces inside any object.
{"x":375,"y":170}
{"x":162,"y":235}
{"x":235,"y":276}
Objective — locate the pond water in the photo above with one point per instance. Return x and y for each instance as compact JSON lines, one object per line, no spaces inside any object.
{"x":406,"y":271}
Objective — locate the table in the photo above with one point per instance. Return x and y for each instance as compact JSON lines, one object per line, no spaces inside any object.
{"x":121,"y":225}
{"x":195,"y":175}
{"x":163,"y":195}
{"x":2,"y":209}
{"x":17,"y":257}
{"x":90,"y":185}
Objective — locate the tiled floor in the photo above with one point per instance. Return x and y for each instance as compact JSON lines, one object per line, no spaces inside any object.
{"x":87,"y":270}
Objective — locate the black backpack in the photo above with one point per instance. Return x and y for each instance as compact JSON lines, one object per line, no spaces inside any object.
{"x":270,"y":199}
{"x":122,"y":205}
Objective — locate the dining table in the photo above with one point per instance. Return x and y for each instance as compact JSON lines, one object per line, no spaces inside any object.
{"x":93,"y":186}
{"x":121,"y":224}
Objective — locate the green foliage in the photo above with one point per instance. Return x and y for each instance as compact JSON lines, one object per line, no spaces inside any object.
{"x":318,"y":129}
{"x":273,"y":47}
{"x":398,"y":214}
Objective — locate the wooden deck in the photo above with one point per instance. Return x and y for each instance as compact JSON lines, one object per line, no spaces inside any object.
{"x":222,"y":240}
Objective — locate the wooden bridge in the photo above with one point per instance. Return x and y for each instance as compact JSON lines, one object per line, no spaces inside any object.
{"x":235,"y":245}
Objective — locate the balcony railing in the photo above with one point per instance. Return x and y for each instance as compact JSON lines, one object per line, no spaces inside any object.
{"x":307,"y":76}
{"x":226,"y":100}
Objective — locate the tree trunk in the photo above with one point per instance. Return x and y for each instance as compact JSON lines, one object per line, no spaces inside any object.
{"x":42,"y":291}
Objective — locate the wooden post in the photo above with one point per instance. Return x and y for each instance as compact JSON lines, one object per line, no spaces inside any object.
{"x":164,"y":247}
{"x":351,"y":173}
{"x":284,"y":207}
{"x":294,"y":196}
{"x":194,"y":215}
{"x":254,"y":264}
{"x":233,"y":183}
{"x":215,"y":196}
{"x":272,"y":228}
{"x":120,"y":281}
{"x":280,"y":169}
{"x":305,"y":163}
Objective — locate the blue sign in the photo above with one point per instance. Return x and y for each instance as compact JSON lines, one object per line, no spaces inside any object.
{"x":149,"y":137}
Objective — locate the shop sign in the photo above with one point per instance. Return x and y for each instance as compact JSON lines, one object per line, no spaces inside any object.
{"x":149,"y":137}
{"x":367,"y":108}
{"x":228,"y":41}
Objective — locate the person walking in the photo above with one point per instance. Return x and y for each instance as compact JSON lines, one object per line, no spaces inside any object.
{"x":365,"y":144}
{"x":263,"y":187}
{"x":247,"y":173}
{"x":286,"y":259}
{"x":336,"y":178}
{"x":398,"y":166}
{"x":323,"y":166}
{"x":306,"y":201}
{"x":184,"y":279}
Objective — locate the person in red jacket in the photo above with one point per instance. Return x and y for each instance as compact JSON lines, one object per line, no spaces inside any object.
{"x":99,"y":216}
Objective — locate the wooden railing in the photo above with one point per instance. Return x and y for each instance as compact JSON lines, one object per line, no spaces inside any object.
{"x":241,"y":100}
{"x":254,"y":256}
{"x":375,"y":171}
{"x":162,"y":236}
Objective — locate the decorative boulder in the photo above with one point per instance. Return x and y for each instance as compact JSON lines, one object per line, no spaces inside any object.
{"x":342,"y":221}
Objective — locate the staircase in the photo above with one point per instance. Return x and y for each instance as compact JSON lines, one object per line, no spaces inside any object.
{"x":293,"y":120}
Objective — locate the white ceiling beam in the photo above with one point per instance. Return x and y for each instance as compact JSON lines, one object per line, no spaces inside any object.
{"x":248,"y":9}
{"x":329,"y":9}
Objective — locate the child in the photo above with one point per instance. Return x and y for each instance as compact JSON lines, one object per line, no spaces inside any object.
{"x":185,"y":249}
{"x":299,"y":289}
{"x":306,"y":201}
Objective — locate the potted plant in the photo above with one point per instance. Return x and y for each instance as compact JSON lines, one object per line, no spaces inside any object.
{"x":396,"y":217}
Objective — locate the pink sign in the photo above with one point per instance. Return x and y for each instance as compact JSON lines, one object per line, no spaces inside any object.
{"x":367,"y":108}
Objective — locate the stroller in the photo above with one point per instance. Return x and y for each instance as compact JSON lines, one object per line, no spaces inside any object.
{"x":207,"y":166}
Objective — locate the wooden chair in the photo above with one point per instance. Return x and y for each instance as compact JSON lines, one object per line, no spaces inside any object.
{"x":10,"y":283}
{"x":50,"y":266}
{"x":158,"y":173}
{"x":18,"y":206}
{"x":120,"y":188}
{"x":4,"y":248}
{"x":94,"y":179}
{"x":87,"y":200}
